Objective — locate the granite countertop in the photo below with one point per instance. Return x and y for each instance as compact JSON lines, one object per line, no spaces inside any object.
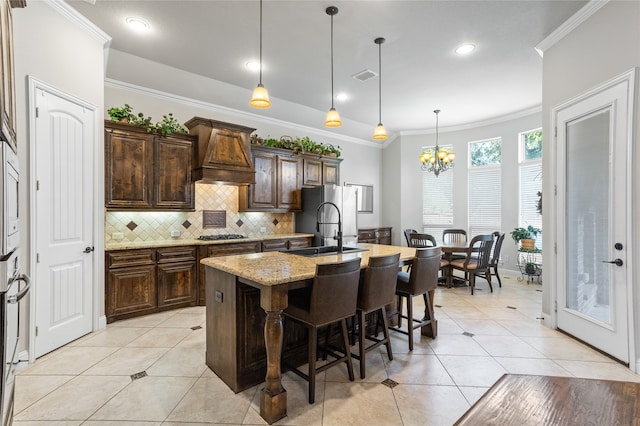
{"x":273,"y":268}
{"x":127,"y":245}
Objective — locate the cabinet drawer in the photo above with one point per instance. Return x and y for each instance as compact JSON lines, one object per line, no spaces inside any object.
{"x":176,"y":254}
{"x":366,"y":235}
{"x":121,"y":259}
{"x":384,"y":233}
{"x":239,"y":248}
{"x":300,"y":242}
{"x":274,"y":245}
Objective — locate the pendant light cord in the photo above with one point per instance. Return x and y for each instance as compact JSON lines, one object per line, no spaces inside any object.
{"x":437,"y":112}
{"x":331,"y":61}
{"x":380,"y":82}
{"x":261,"y":42}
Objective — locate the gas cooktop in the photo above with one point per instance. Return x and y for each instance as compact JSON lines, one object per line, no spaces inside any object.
{"x":221,"y":237}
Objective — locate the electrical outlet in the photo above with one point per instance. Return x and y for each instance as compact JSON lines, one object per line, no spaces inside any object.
{"x":219,"y":296}
{"x":175,"y":234}
{"x":117,"y":236}
{"x":263,"y":230}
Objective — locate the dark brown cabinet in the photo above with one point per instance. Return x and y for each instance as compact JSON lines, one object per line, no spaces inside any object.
{"x":375,"y":235}
{"x":286,"y":243}
{"x":278,"y":182}
{"x":145,"y":171}
{"x":320,"y":171}
{"x":143,"y":281}
{"x":7,"y":76}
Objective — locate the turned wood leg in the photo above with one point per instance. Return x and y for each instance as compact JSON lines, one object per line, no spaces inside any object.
{"x":430,"y":330}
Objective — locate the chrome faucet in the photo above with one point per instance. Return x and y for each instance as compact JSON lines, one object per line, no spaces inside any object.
{"x":339,"y":223}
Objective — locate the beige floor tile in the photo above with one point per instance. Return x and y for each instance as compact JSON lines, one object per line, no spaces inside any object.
{"x":529,"y":328}
{"x":196,"y":339}
{"x":115,"y":337}
{"x":75,"y":400}
{"x":472,"y":370}
{"x":457,"y":345}
{"x":599,"y":370}
{"x":185,"y":362}
{"x":210,"y":400}
{"x":534,"y":366}
{"x":448,"y":326}
{"x":507,"y":346}
{"x":400,"y":343}
{"x":482,"y":327}
{"x":423,"y":405}
{"x":418,"y":369}
{"x":473,"y":393}
{"x":160,"y":338}
{"x":73,"y":360}
{"x":119,"y":423}
{"x":46,"y":423}
{"x":127,"y":361}
{"x":184,"y":320}
{"x":468,"y":312}
{"x":375,"y":372}
{"x":502,"y":313}
{"x":30,"y":389}
{"x":299,"y":411}
{"x":151,"y":320}
{"x":563,"y":348}
{"x":347,"y":404}
{"x":146,"y":399}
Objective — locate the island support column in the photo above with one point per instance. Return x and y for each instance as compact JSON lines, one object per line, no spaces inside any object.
{"x":273,"y":397}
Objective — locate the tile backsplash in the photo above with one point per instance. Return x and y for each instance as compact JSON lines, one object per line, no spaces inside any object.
{"x":153,"y":226}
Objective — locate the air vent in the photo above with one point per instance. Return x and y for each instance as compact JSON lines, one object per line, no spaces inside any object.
{"x":364,"y":75}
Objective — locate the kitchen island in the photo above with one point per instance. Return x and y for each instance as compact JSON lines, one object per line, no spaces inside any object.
{"x":232,"y":319}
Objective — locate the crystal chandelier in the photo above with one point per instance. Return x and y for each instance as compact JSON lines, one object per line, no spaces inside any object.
{"x":437,"y":160}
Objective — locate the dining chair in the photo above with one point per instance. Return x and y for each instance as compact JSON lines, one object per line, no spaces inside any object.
{"x":495,"y":255}
{"x":422,"y":279}
{"x":476,"y":261}
{"x":427,"y":240}
{"x":377,"y":289}
{"x":455,"y":236}
{"x":407,"y":233}
{"x":332,"y":298}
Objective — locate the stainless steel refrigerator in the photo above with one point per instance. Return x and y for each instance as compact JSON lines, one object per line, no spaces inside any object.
{"x":345,"y":198}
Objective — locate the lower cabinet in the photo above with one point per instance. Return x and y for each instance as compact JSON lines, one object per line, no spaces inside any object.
{"x":177,"y":277}
{"x":375,"y":235}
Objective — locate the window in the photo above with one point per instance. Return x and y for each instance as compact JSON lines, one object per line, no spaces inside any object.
{"x":485,"y":186}
{"x":530,"y":180}
{"x":437,"y":201}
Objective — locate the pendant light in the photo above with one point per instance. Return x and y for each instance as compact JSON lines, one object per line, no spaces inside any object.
{"x":333,"y":118}
{"x":380,"y":133}
{"x":260,"y":98}
{"x":436,"y":159}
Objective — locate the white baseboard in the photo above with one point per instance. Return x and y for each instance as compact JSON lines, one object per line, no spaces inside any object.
{"x":102,"y":322}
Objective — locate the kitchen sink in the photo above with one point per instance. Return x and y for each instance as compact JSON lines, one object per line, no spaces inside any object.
{"x":321,"y":251}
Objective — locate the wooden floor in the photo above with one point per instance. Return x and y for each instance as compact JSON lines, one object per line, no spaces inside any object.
{"x":544,"y":400}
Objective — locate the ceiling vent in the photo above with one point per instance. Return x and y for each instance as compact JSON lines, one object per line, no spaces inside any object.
{"x":364,"y":75}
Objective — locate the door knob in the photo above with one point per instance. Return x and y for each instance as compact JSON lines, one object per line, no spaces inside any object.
{"x":618,"y":262}
{"x":90,"y":249}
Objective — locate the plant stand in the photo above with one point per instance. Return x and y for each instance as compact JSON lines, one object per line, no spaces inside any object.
{"x":530,"y":265}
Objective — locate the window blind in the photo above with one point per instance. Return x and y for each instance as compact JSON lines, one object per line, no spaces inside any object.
{"x":437,"y":203}
{"x":530,"y":184}
{"x":485,"y":195}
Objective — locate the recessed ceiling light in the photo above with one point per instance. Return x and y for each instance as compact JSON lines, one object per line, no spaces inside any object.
{"x":252,"y":66}
{"x":138,"y":24}
{"x":465,"y":49}
{"x":342,"y":97}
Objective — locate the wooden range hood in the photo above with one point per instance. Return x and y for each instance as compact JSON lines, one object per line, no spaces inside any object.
{"x":223,"y":152}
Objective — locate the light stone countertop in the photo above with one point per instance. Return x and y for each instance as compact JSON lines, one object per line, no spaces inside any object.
{"x":129,"y":245}
{"x":273,"y":268}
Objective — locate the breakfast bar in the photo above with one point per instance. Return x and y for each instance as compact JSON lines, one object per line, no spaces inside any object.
{"x":273,"y":274}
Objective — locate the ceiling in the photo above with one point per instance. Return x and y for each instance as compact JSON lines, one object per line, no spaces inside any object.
{"x":420,"y":70}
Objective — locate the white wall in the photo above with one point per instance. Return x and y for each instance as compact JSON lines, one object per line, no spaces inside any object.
{"x":606,"y":45}
{"x":361,"y":159}
{"x":409,"y":214}
{"x":66,"y":56}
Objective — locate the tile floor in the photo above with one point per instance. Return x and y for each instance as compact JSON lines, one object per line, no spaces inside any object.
{"x":481,"y":337}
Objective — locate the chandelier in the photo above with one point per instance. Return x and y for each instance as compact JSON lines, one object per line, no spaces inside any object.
{"x":437,"y":160}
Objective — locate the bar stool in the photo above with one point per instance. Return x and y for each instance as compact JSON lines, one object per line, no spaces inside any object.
{"x":377,"y":288}
{"x":332,"y":298}
{"x":422,"y":278}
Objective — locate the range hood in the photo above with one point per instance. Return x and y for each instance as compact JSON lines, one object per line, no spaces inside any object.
{"x":223,"y":152}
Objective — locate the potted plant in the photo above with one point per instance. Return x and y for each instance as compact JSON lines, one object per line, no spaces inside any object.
{"x":124,"y":114}
{"x":167,"y":126}
{"x":526,"y":236}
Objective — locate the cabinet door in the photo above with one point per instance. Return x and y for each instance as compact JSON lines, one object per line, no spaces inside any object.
{"x":300,"y":242}
{"x":274,"y":245}
{"x":176,"y":284}
{"x":130,"y":291}
{"x":330,"y":173}
{"x":7,"y":85}
{"x":311,"y":172}
{"x":128,"y":169}
{"x":289,"y":183}
{"x":262,"y":195}
{"x":173,"y":164}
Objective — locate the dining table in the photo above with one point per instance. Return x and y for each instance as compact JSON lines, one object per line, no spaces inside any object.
{"x":448,"y":250}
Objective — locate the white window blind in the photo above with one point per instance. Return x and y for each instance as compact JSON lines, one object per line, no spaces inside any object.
{"x":530,"y":184}
{"x":485,"y":194}
{"x":437,"y":202}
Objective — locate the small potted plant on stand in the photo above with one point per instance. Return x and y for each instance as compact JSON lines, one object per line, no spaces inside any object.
{"x":526,"y":236}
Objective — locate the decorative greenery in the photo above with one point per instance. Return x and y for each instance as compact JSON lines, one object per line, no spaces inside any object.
{"x":167,"y":126}
{"x":298,"y":145}
{"x":121,"y":114}
{"x":524,"y":233}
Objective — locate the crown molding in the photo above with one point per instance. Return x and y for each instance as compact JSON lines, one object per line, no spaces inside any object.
{"x":241,"y":115}
{"x":72,"y":15}
{"x":476,"y":124}
{"x":569,"y":25}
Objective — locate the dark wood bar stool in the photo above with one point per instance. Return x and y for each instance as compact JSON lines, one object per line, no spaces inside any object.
{"x":422,"y":278}
{"x":332,"y":298}
{"x":377,"y":288}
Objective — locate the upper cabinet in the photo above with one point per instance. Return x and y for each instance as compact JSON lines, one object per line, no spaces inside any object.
{"x":320,"y":171}
{"x":7,"y":77}
{"x":145,"y":171}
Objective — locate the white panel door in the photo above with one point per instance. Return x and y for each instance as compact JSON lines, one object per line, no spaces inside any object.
{"x":64,"y":225}
{"x":593,"y":207}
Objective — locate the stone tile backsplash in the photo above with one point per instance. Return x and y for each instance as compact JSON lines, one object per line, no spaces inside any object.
{"x":153,"y":226}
